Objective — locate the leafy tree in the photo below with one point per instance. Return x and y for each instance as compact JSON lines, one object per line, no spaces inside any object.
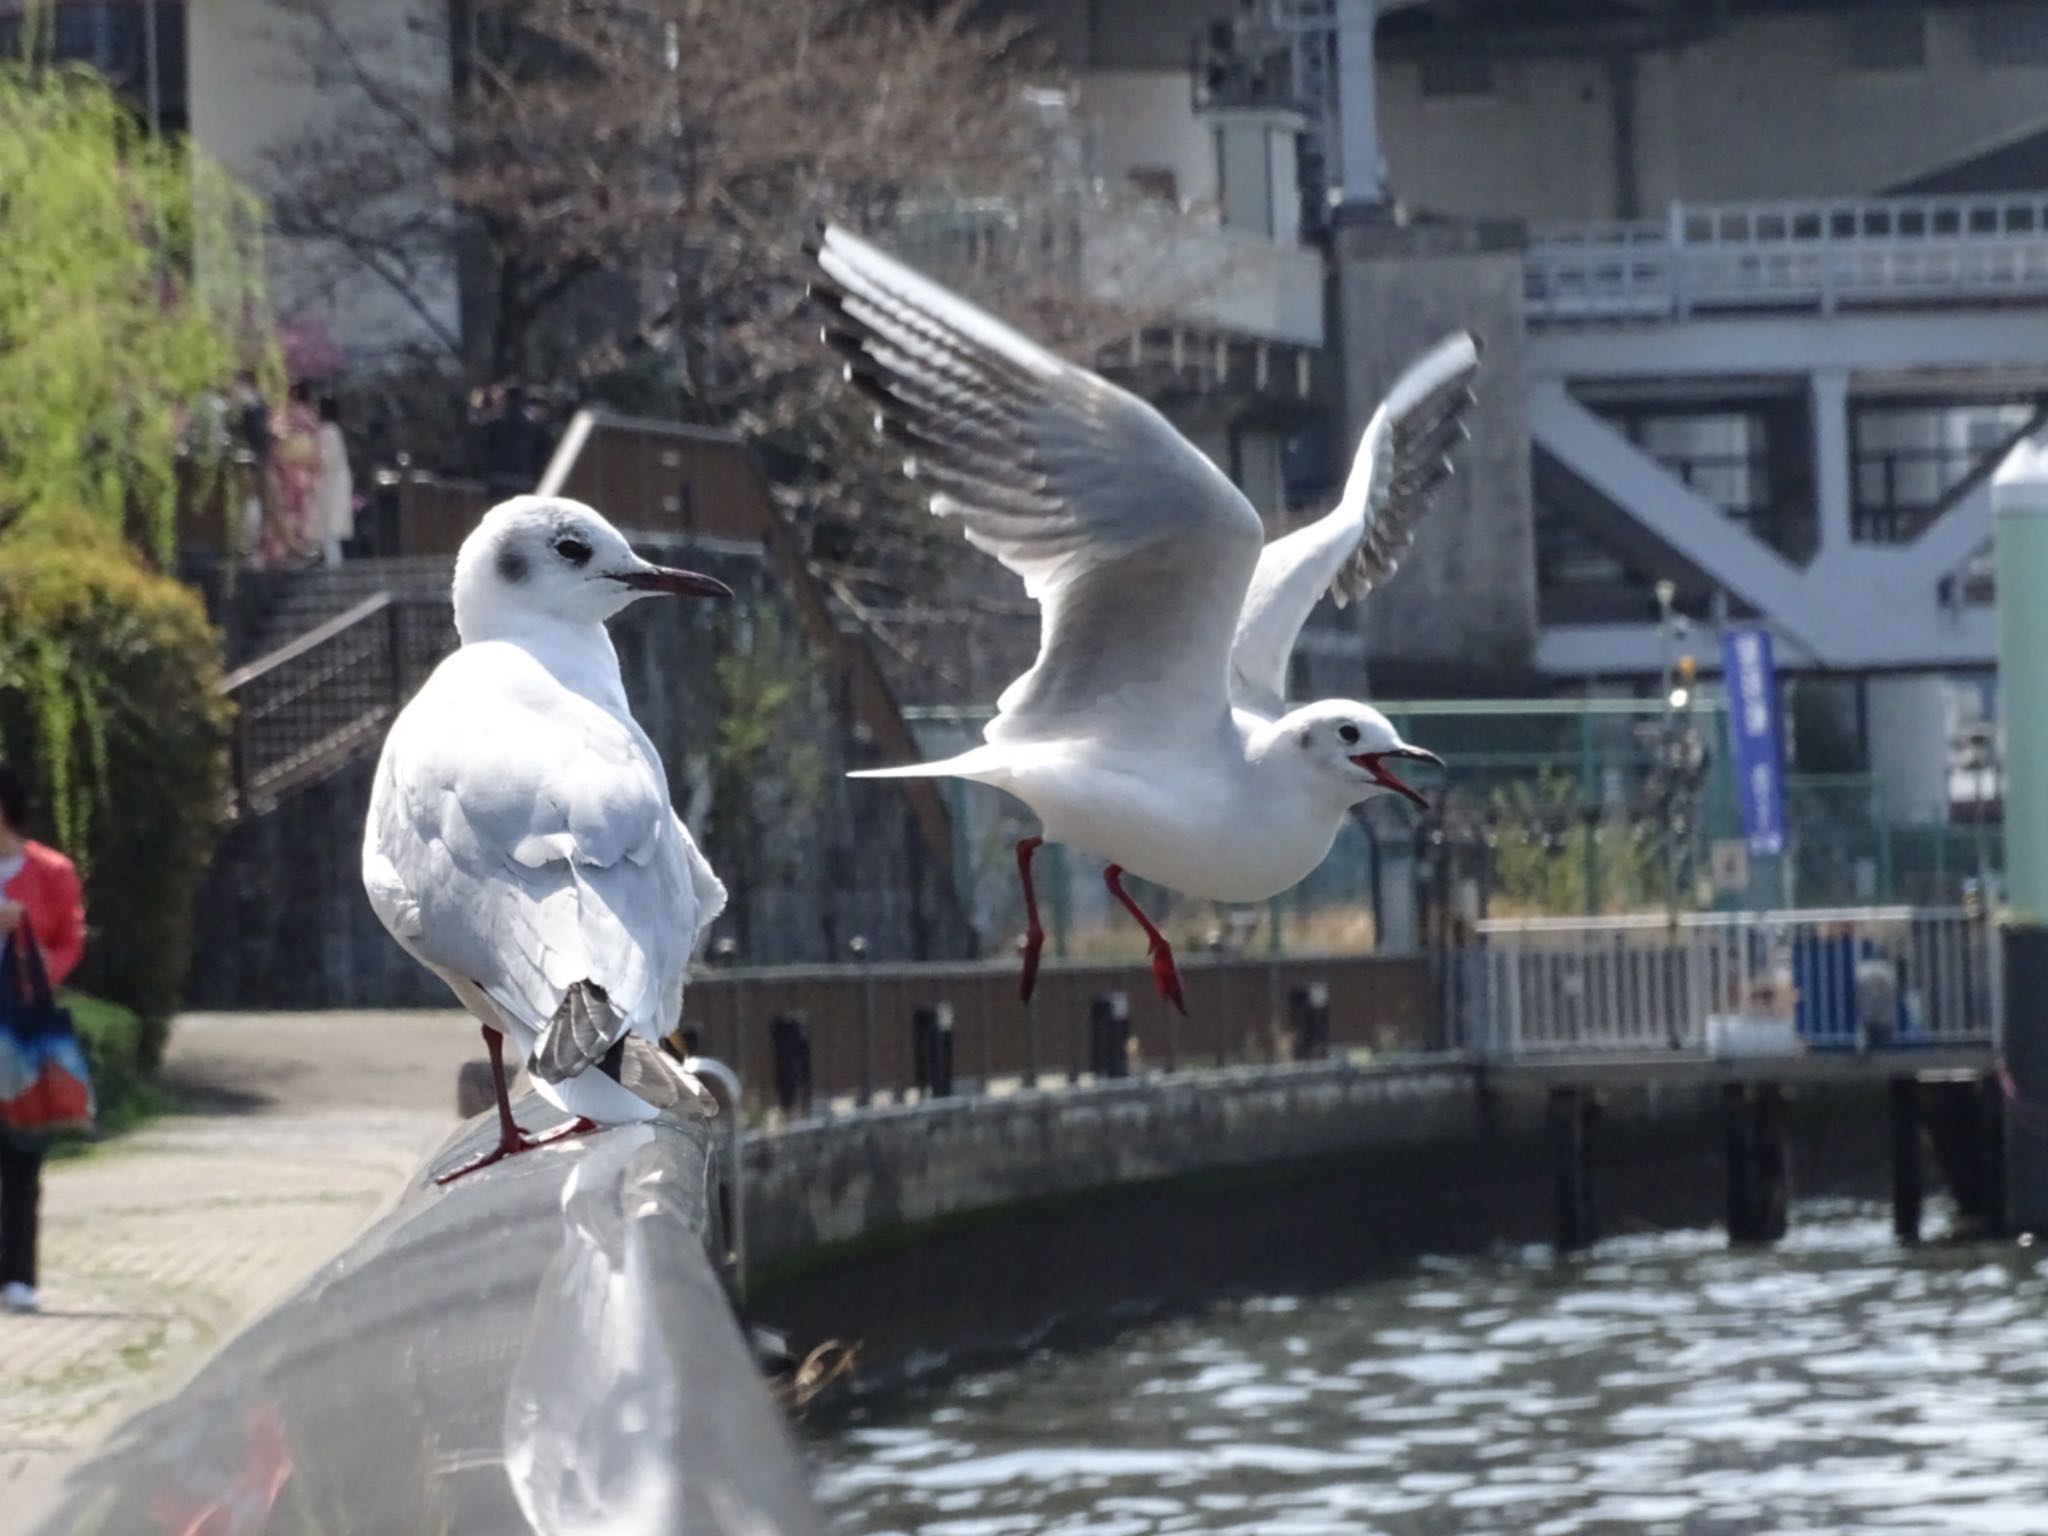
{"x":129,"y":287}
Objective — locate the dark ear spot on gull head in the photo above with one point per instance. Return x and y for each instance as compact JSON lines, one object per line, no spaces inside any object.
{"x":512,"y":567}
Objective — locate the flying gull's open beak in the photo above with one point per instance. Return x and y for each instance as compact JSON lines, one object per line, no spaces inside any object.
{"x":662,"y":578}
{"x":1375,"y":764}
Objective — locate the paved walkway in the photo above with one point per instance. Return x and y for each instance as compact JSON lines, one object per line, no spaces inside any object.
{"x":300,"y":1129}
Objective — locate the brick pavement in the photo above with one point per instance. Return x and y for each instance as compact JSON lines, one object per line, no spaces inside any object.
{"x":157,"y":1246}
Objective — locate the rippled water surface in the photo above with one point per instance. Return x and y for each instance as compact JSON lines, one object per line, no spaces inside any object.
{"x":1661,"y":1385}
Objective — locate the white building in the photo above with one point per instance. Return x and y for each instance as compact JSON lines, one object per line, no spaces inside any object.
{"x":1780,"y":271}
{"x":1763,"y":284}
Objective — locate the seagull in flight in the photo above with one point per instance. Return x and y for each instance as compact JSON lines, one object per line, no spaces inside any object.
{"x":1153,"y":730}
{"x":520,"y":842}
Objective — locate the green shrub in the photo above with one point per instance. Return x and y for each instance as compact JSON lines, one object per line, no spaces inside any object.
{"x":109,"y":698}
{"x":113,"y":1039}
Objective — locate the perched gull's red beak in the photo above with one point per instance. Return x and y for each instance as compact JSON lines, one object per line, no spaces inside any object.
{"x":662,"y":578}
{"x":1374,"y":763}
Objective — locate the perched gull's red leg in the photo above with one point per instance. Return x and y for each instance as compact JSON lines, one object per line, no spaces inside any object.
{"x":1164,"y":974}
{"x":1034,"y":936}
{"x":511,"y":1138}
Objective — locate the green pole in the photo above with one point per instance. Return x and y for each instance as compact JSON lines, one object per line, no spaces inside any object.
{"x":2022,"y":555}
{"x":1589,"y":805}
{"x":1884,"y":842}
{"x":2019,"y":500}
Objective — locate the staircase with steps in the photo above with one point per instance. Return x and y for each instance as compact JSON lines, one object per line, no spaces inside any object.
{"x":290,"y":604}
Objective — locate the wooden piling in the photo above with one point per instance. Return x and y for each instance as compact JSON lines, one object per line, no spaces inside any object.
{"x":1758,"y":1162}
{"x":1571,"y":1114}
{"x":1907,"y":1184}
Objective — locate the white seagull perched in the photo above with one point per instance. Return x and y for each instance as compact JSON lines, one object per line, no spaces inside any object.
{"x":1153,"y":730}
{"x":520,"y":841}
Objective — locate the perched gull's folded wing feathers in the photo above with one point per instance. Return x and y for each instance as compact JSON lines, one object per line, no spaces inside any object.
{"x":1403,"y":457}
{"x":1138,"y":549}
{"x":531,"y":874}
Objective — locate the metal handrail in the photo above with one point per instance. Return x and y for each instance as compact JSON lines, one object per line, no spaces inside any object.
{"x":1817,"y":253}
{"x":311,"y":640}
{"x":734,"y":1109}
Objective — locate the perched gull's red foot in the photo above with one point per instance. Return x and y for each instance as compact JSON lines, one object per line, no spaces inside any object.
{"x":511,"y":1139}
{"x":1034,"y":936}
{"x":1165,"y":975}
{"x":582,"y":1125}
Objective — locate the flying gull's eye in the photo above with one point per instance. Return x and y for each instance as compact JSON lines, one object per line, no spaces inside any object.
{"x":572,"y":549}
{"x":1348,"y":734}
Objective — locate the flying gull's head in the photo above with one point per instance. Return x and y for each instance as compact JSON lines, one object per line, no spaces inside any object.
{"x":1353,"y":749}
{"x":544,"y":557}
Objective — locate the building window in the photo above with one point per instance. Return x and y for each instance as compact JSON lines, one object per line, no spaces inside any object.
{"x":1721,"y":455}
{"x":2012,"y":36}
{"x":1457,"y":74}
{"x":1907,"y":460}
{"x":1886,"y":40}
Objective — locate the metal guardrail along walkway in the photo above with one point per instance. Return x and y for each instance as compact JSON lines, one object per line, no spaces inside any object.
{"x":1727,"y":983}
{"x":1818,"y":255}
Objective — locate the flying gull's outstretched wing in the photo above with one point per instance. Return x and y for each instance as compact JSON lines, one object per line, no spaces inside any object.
{"x":1137,"y":548}
{"x":1403,"y":457}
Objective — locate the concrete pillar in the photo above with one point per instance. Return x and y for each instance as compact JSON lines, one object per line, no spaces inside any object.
{"x":2019,"y":498}
{"x":1358,"y":115}
{"x":1830,"y":402}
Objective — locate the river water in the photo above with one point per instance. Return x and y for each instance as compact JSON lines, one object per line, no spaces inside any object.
{"x":1660,"y":1386}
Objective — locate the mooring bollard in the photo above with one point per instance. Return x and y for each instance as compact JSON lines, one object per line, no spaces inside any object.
{"x":857,"y":946}
{"x":1109,"y":1035}
{"x":789,"y":1044}
{"x":931,"y":1049}
{"x":1308,"y":1010}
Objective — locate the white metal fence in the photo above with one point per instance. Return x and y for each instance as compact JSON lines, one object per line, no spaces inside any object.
{"x":1726,"y":983}
{"x":1801,"y":255}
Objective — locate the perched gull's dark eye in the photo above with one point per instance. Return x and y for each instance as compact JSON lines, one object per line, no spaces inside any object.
{"x":572,"y":549}
{"x":1347,"y":734}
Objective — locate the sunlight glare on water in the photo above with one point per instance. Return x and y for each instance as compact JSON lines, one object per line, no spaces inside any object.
{"x":1663,"y":1386}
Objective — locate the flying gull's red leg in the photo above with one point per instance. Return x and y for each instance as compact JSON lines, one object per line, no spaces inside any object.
{"x":1034,"y":936}
{"x":1165,"y":976}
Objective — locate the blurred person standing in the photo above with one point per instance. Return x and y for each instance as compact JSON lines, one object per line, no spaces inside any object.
{"x":295,"y":470}
{"x":333,"y":515}
{"x":40,"y":905}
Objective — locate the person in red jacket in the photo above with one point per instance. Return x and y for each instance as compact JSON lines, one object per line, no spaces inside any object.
{"x":39,"y":896}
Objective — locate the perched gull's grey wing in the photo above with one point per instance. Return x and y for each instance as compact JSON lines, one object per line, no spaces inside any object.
{"x":521,"y":838}
{"x":1403,"y":457}
{"x":1137,"y":548}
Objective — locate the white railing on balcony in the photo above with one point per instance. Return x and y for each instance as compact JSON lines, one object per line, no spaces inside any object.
{"x":1793,"y":255}
{"x":1727,"y":983}
{"x":1157,"y":265}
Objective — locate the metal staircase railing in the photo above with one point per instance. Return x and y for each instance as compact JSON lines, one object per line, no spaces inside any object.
{"x":308,"y":707}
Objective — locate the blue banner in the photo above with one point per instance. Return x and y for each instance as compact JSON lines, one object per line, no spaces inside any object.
{"x":1753,"y":729}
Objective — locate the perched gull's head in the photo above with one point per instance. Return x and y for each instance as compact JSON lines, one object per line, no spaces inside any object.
{"x":547,"y":557}
{"x":1352,"y":748}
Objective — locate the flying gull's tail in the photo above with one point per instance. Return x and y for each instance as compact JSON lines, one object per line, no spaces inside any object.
{"x":986,"y":763}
